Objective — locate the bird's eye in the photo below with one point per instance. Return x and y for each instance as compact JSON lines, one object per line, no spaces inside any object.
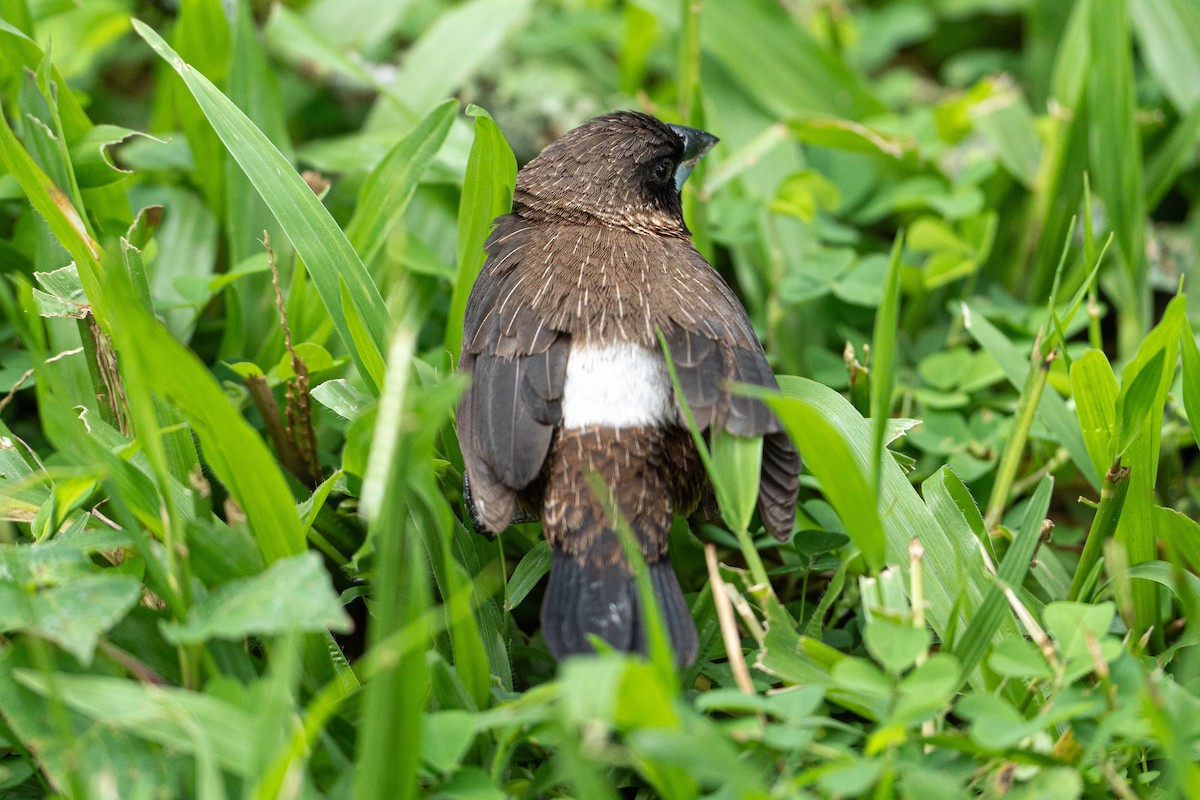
{"x":664,"y":170}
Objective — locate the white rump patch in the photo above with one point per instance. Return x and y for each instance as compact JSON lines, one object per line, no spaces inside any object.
{"x":619,"y":385}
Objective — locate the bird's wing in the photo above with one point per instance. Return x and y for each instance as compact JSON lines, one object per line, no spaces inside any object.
{"x":713,"y":348}
{"x":518,"y":365}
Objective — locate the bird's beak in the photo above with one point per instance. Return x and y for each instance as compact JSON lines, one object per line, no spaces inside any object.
{"x":695,"y":144}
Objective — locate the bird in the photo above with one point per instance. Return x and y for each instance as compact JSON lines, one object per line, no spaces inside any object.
{"x":570,"y":384}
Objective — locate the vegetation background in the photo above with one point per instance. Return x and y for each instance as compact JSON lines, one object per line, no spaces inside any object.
{"x":965,"y":228}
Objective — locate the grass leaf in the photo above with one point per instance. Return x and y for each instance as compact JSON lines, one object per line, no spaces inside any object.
{"x":327,"y":254}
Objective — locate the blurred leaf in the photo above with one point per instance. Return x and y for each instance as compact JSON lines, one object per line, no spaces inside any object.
{"x":92,"y":157}
{"x":1005,"y":119}
{"x":293,"y":595}
{"x":802,"y":194}
{"x":445,"y":737}
{"x":842,"y":134}
{"x":182,"y":720}
{"x":895,"y":645}
{"x":781,"y":65}
{"x":74,"y":614}
{"x":1181,"y":532}
{"x":454,"y":47}
{"x":1191,"y":378}
{"x":1021,"y":659}
{"x":1168,"y":32}
{"x":927,"y":689}
{"x":1116,"y":151}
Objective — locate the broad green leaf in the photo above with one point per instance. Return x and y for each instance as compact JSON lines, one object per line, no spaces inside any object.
{"x":73,"y":614}
{"x":341,"y":397}
{"x":1135,"y":527}
{"x":926,"y":690}
{"x":895,"y":645}
{"x":1094,"y":388}
{"x":952,"y":564}
{"x":532,"y":568}
{"x":445,"y":737}
{"x":328,"y":256}
{"x":180,"y":719}
{"x":134,"y":768}
{"x":844,"y":480}
{"x":293,"y":595}
{"x":1005,"y":120}
{"x":737,"y":461}
{"x":1019,"y":658}
{"x":1137,"y":400}
{"x":1068,"y":624}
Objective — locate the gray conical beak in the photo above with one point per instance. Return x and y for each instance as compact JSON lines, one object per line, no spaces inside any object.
{"x":695,"y":144}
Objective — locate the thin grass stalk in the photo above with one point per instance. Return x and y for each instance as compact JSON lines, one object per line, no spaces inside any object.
{"x":1104,"y":526}
{"x":1010,"y":462}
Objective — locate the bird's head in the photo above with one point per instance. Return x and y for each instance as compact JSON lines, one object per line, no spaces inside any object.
{"x":624,"y":169}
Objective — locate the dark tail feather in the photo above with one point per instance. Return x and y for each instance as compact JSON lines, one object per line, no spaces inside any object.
{"x":583,"y":599}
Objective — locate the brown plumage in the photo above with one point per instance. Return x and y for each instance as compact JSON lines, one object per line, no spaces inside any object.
{"x":592,"y":261}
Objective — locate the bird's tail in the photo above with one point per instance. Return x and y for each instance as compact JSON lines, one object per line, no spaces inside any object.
{"x":602,"y":599}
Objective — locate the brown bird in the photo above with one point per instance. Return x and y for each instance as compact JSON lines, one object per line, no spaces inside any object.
{"x":569,"y":380}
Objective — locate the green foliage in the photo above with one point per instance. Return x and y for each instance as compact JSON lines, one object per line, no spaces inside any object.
{"x":233,"y":558}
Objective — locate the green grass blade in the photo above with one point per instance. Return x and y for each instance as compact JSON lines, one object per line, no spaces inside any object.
{"x":782,"y":64}
{"x":1052,"y":410}
{"x":1136,"y":528}
{"x":389,"y":740}
{"x":388,"y":189}
{"x":487,"y":193}
{"x":883,"y":357}
{"x":844,"y":480}
{"x":1191,"y":377}
{"x":1116,"y":160}
{"x":327,"y":254}
{"x":235,"y":452}
{"x":983,"y":627}
{"x":1094,"y":388}
{"x":1168,"y":32}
